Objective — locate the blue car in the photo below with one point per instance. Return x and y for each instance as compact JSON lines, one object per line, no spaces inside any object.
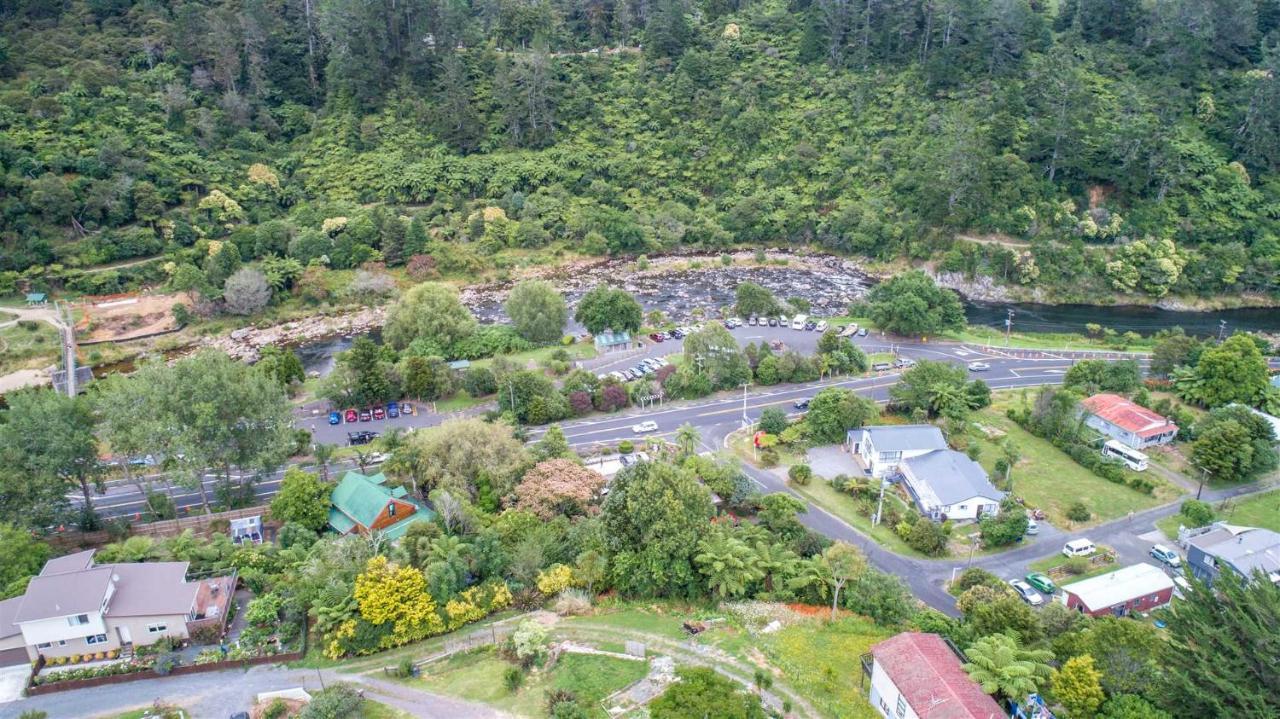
{"x":393,"y":410}
{"x":335,"y":418}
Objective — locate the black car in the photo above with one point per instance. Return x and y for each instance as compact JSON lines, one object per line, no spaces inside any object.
{"x":358,"y":438}
{"x":802,"y":404}
{"x":773,"y":321}
{"x":810,"y":326}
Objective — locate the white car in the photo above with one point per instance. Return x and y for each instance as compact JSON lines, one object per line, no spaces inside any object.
{"x":849,"y":330}
{"x":822,"y":326}
{"x":643,"y":427}
{"x":1028,"y":594}
{"x":979,"y":366}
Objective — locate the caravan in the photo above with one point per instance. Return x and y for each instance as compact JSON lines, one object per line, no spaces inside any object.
{"x":1132,"y":458}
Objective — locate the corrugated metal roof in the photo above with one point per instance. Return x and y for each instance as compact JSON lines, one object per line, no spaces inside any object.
{"x":904,"y":437}
{"x":952,"y":476}
{"x":932,"y":678}
{"x":1128,"y":415}
{"x":1120,"y":586}
{"x":77,"y":562}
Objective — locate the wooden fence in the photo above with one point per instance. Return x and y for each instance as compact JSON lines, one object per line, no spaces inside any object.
{"x":198,"y":523}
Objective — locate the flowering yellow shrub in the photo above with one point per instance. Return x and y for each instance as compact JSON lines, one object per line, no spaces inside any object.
{"x":555,"y":579}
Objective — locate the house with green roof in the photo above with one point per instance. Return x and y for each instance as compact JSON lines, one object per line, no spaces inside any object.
{"x":364,"y":504}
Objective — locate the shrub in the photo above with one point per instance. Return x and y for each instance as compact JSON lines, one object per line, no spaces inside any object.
{"x":974,"y":577}
{"x":1077,"y":512}
{"x":1076,"y":565}
{"x":165,"y":664}
{"x":512,"y":678}
{"x":339,"y":701}
{"x":768,"y":457}
{"x":572,"y":603}
{"x":626,"y":446}
{"x":800,"y":474}
{"x":405,"y":669}
{"x":927,"y":537}
{"x":277,"y":709}
{"x":1196,"y":513}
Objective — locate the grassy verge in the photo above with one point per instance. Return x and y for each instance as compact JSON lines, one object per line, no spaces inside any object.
{"x":376,"y":710}
{"x":842,"y":506}
{"x":315,"y":658}
{"x":1048,"y":479}
{"x":1257,"y":510}
{"x":1048,"y":565}
{"x":478,"y":676}
{"x":982,"y":335}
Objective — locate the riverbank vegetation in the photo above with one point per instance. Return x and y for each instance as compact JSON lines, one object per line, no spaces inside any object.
{"x":1084,"y":152}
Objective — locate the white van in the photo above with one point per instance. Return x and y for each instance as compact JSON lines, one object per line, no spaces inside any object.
{"x":798,"y":322}
{"x":1078,"y":548}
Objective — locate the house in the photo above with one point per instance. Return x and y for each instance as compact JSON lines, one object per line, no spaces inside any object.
{"x":75,"y":606}
{"x":364,"y":503}
{"x":13,"y":648}
{"x":947,"y":484}
{"x":1127,"y":422}
{"x":1244,"y":550}
{"x":881,"y":449}
{"x":917,"y":675}
{"x":1136,"y":588}
{"x":610,"y":341}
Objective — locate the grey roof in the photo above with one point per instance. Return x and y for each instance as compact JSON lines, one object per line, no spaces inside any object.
{"x":60,"y":595}
{"x":952,"y":476}
{"x":9,"y":610}
{"x":143,"y":589}
{"x":151,"y":589}
{"x":77,"y":562}
{"x":1246,"y":549}
{"x":904,"y":437}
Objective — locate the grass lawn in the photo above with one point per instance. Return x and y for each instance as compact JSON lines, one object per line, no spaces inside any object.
{"x":478,"y":676}
{"x":876,"y":357}
{"x":982,"y":335}
{"x":1048,"y":479}
{"x":841,"y":505}
{"x":1049,"y":564}
{"x":31,"y":347}
{"x":820,"y":661}
{"x":659,"y":619}
{"x":376,"y":710}
{"x":1257,"y":510}
{"x":535,"y":357}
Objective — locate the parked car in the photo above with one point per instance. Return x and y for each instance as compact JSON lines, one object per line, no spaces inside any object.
{"x":407,"y":409}
{"x":1042,"y":582}
{"x":352,"y":416}
{"x":803,"y":404}
{"x":365,"y":415}
{"x":1182,"y":586}
{"x":1079,"y":548}
{"x":643,"y":427}
{"x":656,"y":337}
{"x":358,"y":438}
{"x":393,"y":410}
{"x":822,"y":326}
{"x":379,"y":412}
{"x":1033,"y":527}
{"x":1024,"y":590}
{"x":1166,"y":555}
{"x":753,"y":320}
{"x":979,"y":366}
{"x":862,"y":332}
{"x":810,"y":326}
{"x":737,"y":321}
{"x":335,"y":418}
{"x":881,"y":366}
{"x":904,"y":363}
{"x":773,"y":321}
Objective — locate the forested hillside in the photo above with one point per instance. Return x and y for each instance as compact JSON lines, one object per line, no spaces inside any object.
{"x":1111,"y":145}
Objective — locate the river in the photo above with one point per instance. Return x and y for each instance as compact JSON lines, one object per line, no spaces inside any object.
{"x":1122,"y":318}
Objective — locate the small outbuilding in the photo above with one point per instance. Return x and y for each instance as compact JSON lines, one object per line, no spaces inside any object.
{"x":917,"y":675}
{"x":610,"y":341}
{"x":1137,"y":588}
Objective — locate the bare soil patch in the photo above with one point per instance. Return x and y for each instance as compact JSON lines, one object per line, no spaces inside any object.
{"x":128,"y":317}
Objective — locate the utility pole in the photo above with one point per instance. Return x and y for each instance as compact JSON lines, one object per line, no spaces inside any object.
{"x":879,"y":505}
{"x":1222,"y":329}
{"x":745,"y":422}
{"x":1008,"y":327}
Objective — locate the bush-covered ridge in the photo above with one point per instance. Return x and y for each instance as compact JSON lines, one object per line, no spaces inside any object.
{"x":1151,"y":136}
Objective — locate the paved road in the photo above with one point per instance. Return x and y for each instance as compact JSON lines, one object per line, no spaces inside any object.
{"x":217,"y":695}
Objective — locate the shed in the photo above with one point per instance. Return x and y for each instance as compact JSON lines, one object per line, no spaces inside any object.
{"x":247,"y":529}
{"x":36,"y":298}
{"x":1137,"y":588}
{"x":610,"y":341}
{"x":459,"y":365}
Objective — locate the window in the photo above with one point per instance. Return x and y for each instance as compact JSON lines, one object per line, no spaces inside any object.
{"x":96,"y":639}
{"x":391,"y":509}
{"x":902,"y":706}
{"x":78,"y":620}
{"x":156,"y":628}
{"x":44,"y":645}
{"x":884,"y":708}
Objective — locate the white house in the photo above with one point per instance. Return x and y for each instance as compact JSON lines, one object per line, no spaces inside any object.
{"x":915,"y":675}
{"x":944,"y":482}
{"x":882,"y":449}
{"x":75,"y":606}
{"x":1127,"y":421}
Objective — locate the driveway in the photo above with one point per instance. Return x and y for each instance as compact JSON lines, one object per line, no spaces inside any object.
{"x":12,"y":680}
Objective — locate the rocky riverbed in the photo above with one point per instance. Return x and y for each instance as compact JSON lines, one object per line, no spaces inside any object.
{"x":246,"y":343}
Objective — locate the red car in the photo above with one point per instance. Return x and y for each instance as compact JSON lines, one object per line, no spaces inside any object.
{"x":379,"y":413}
{"x":657,"y":337}
{"x":365,"y":416}
{"x":352,"y":416}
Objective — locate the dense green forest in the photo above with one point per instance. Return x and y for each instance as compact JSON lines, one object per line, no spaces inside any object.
{"x":1111,"y":145}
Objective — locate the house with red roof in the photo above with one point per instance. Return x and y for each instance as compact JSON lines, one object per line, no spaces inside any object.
{"x":921,"y":676}
{"x":1127,"y":422}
